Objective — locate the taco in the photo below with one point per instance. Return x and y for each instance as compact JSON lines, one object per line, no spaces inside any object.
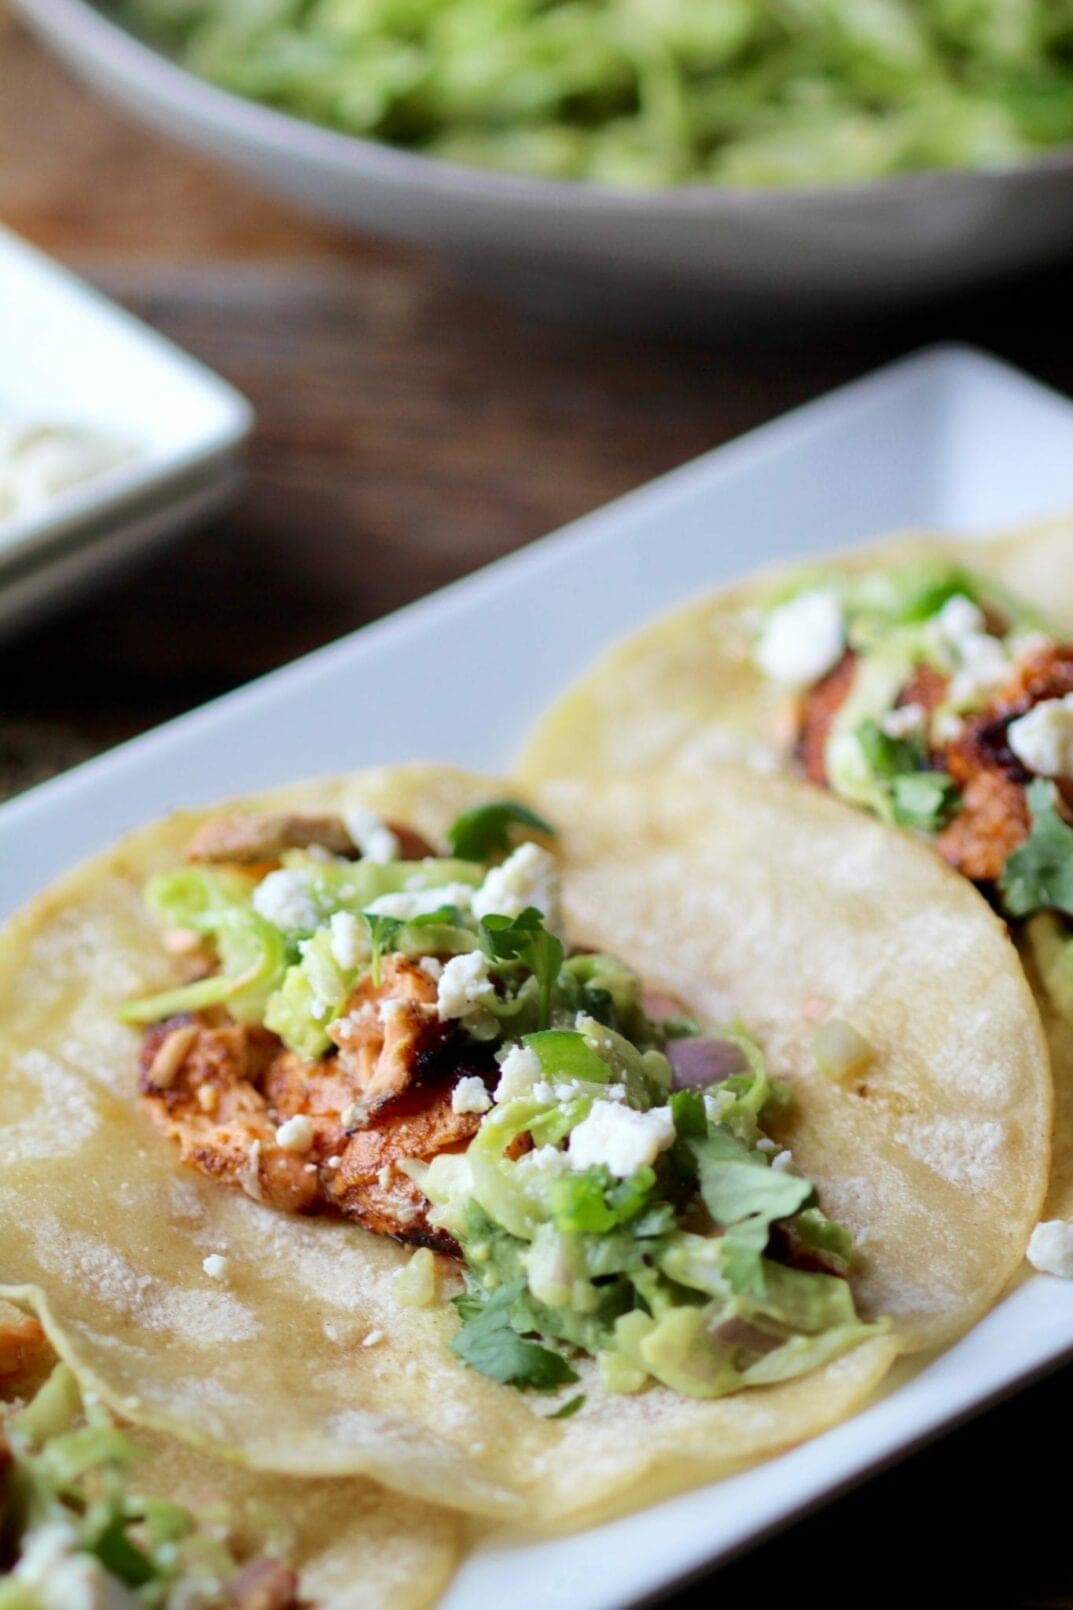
{"x":388,"y":1125}
{"x":929,"y":683}
{"x":92,"y":1515}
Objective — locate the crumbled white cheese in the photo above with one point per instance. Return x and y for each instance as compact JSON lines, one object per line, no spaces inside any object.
{"x":371,"y":834}
{"x":905,"y":722}
{"x":802,"y":639}
{"x":947,"y":728}
{"x":716,"y":1103}
{"x":764,"y":1144}
{"x":349,"y":939}
{"x":528,"y":877}
{"x":783,"y":1162}
{"x":620,"y":1138}
{"x":1050,"y":1248}
{"x":959,"y":619}
{"x":543,"y":1161}
{"x":1042,"y":739}
{"x":981,"y":662}
{"x":285,"y":899}
{"x":296,"y":1135}
{"x":432,"y":967}
{"x":60,"y":1576}
{"x":464,"y":986}
{"x":470,"y":1096}
{"x":1026,"y":645}
{"x":374,"y":1338}
{"x":984,"y":667}
{"x":215,"y":1266}
{"x":519,"y":1071}
{"x":410,"y":903}
{"x":40,"y":462}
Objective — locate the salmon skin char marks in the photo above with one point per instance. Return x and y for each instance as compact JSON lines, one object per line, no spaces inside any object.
{"x":222,"y":1090}
{"x":993,"y":820}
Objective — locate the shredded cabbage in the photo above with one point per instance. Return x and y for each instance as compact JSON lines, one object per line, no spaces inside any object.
{"x":652,"y":93}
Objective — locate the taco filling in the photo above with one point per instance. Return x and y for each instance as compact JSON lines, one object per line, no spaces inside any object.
{"x":371,"y":1029}
{"x":77,"y":1532}
{"x":933,"y":698}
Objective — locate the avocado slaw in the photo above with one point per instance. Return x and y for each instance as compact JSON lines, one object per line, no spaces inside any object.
{"x":948,"y":712}
{"x":614,"y":1198}
{"x":76,"y":1530}
{"x":651,"y":93}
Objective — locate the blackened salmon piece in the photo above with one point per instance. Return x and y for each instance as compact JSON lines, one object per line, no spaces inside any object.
{"x":819,"y":709}
{"x":926,"y":688}
{"x":244,"y":839}
{"x":412,"y":846}
{"x":212,"y":1104}
{"x":994,"y":819}
{"x":370,"y":1185}
{"x":25,"y":1354}
{"x":387,"y":1030}
{"x":230,"y":1094}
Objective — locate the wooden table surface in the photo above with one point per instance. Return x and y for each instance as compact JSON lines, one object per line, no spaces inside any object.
{"x":409,"y":430}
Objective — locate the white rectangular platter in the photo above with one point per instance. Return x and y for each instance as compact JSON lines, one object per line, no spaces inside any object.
{"x":950,"y":440}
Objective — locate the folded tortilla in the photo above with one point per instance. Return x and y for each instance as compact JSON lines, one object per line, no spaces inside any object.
{"x":685,"y":693}
{"x":745,"y":896}
{"x":351,"y":1542}
{"x":355,"y":1545}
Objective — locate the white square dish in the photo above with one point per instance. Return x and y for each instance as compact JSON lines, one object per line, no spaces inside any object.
{"x":72,"y":358}
{"x":949,"y":439}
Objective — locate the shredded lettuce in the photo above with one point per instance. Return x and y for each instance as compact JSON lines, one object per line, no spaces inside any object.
{"x":253,"y":960}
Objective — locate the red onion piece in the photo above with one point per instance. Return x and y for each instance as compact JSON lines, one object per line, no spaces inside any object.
{"x":698,"y":1063}
{"x":739,"y":1333}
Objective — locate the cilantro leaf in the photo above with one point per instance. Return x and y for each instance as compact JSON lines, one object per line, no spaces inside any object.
{"x":923,"y":799}
{"x":525,"y":939}
{"x":736,"y":1185}
{"x":442,"y":917}
{"x":120,"y":1557}
{"x":1039,"y":875}
{"x":690,"y":1119}
{"x":919,"y":797}
{"x":570,"y":1407}
{"x":889,"y":757}
{"x":478,"y":833}
{"x":489,"y":1344}
{"x":383,"y":931}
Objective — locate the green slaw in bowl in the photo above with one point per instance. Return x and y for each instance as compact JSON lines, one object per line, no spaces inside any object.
{"x":649,"y":94}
